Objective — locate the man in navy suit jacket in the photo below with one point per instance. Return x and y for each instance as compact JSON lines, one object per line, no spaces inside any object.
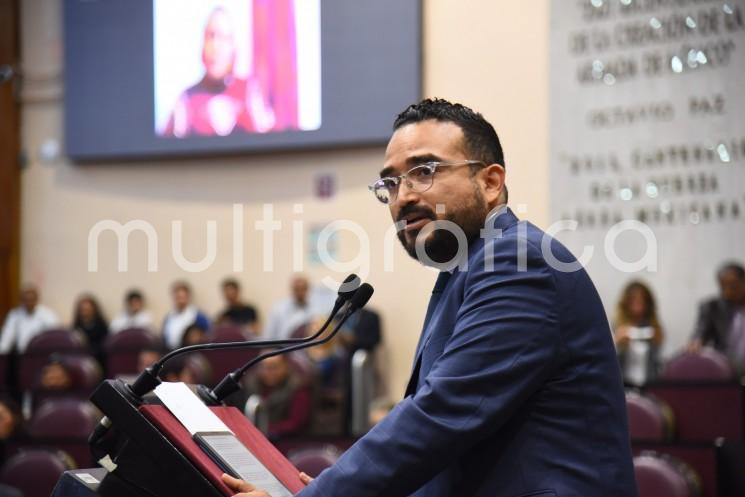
{"x":515,"y":389}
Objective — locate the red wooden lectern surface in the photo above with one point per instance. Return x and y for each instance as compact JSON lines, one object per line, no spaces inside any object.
{"x":246,"y":432}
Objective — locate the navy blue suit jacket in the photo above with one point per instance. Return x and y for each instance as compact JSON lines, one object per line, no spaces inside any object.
{"x":516,"y":388}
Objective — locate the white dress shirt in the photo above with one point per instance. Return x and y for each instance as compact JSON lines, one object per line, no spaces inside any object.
{"x":287,"y":315}
{"x":176,"y":323}
{"x":124,"y":321}
{"x":21,"y":326}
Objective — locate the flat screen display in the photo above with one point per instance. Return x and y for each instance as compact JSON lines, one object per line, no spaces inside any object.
{"x":148,"y":78}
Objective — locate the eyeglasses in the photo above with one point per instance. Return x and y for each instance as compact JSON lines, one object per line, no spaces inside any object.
{"x":418,"y":179}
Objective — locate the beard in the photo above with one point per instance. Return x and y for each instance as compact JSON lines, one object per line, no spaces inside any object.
{"x":441,"y":245}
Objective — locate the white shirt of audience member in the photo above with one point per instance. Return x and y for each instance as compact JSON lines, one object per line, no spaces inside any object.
{"x":176,"y":323}
{"x":287,"y":316}
{"x":124,"y":321}
{"x":21,"y":326}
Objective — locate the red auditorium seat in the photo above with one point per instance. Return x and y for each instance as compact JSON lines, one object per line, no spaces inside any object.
{"x":225,"y":361}
{"x":123,"y":350}
{"x":313,"y":460}
{"x":704,"y":365}
{"x":34,"y":471}
{"x":664,"y":476}
{"x":41,"y":347}
{"x":649,"y":418}
{"x":65,"y":424}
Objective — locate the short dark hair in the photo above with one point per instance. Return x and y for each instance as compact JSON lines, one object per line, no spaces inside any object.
{"x":735,"y":267}
{"x":133,"y":295}
{"x":481,"y":139}
{"x":231,"y":282}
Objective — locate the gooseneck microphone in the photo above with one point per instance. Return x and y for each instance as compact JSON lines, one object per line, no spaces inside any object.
{"x":148,"y":379}
{"x":231,"y":383}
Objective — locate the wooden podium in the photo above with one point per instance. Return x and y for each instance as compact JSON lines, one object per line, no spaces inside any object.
{"x":154,"y":455}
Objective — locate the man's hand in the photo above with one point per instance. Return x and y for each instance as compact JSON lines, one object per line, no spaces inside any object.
{"x":242,"y":488}
{"x":245,"y":489}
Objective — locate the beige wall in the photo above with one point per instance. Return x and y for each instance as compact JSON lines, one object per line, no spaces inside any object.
{"x":490,"y":55}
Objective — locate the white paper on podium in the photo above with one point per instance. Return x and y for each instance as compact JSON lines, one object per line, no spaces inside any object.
{"x":188,"y":409}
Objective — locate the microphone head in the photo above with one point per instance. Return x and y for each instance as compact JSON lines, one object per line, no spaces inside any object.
{"x":361,"y":296}
{"x":348,"y":288}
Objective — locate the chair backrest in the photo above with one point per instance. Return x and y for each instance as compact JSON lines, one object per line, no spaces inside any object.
{"x":362,"y":391}
{"x":704,"y":365}
{"x":34,"y":471}
{"x":223,"y":362}
{"x":313,"y":460}
{"x":65,"y":423}
{"x":63,"y":418}
{"x":658,"y":476}
{"x":41,"y":347}
{"x":123,"y":350}
{"x":650,"y":419}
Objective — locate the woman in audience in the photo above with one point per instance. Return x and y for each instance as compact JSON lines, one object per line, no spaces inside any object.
{"x":637,"y":333}
{"x":90,"y":321}
{"x":195,"y":334}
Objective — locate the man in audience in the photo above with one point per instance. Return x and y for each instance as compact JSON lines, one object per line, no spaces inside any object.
{"x":183,"y":315}
{"x":134,"y":314}
{"x":25,"y":322}
{"x":290,"y":314}
{"x":721,"y":320}
{"x":285,"y":396}
{"x":236,"y":311}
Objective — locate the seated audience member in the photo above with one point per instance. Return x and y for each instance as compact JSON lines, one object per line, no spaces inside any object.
{"x":11,"y":421}
{"x":637,"y":333}
{"x":90,"y":321}
{"x":325,"y":357}
{"x":194,"y":335}
{"x":721,"y":320}
{"x":285,"y":396}
{"x":134,"y":314}
{"x":183,"y":315}
{"x":361,"y":332}
{"x":10,"y":418}
{"x":66,"y":373}
{"x":299,"y":309}
{"x":147,"y":357}
{"x":25,"y":322}
{"x":178,"y":369}
{"x":55,"y":377}
{"x":236,"y":311}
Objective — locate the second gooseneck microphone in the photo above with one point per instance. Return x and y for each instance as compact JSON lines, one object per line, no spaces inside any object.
{"x":231,"y":383}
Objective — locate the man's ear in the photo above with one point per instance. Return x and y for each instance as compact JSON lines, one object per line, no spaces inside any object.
{"x":493,"y":177}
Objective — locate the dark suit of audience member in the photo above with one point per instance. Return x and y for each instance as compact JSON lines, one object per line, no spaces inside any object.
{"x":721,"y":320}
{"x":363,"y":331}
